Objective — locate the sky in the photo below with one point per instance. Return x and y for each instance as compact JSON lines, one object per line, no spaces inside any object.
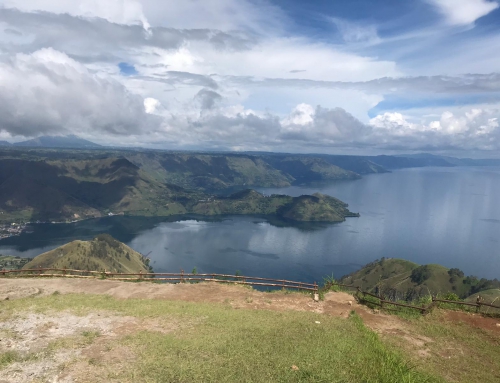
{"x":315,"y":76}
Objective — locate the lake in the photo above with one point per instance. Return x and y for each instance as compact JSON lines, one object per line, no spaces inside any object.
{"x":449,"y":216}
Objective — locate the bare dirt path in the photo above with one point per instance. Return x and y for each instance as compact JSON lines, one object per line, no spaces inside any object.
{"x":338,"y":303}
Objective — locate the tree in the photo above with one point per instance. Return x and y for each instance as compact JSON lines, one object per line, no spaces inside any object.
{"x":420,"y":274}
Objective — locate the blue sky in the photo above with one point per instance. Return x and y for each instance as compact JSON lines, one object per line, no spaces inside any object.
{"x":352,"y":76}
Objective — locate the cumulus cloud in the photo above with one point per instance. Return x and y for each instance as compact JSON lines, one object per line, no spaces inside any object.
{"x":321,"y":129}
{"x":464,"y":12}
{"x":116,"y":11}
{"x":226,"y":74}
{"x":476,"y":129}
{"x":48,"y":92}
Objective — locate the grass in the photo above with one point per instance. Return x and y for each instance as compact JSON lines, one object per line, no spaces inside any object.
{"x":458,"y":351}
{"x":215,"y":342}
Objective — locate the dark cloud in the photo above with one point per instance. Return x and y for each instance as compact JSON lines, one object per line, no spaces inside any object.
{"x":207,"y":98}
{"x":11,"y":31}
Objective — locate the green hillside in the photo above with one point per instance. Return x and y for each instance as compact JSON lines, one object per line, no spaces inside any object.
{"x":399,"y":279}
{"x":318,"y":207}
{"x":210,"y":171}
{"x":307,"y":169}
{"x":101,"y":253}
{"x":72,"y":189}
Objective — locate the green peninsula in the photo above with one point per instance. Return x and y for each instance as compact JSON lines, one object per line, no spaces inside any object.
{"x":65,"y":190}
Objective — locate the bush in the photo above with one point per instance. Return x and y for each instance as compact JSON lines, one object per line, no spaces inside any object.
{"x":451,"y":297}
{"x":420,"y":274}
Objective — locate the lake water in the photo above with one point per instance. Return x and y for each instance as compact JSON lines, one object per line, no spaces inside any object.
{"x":449,"y":216}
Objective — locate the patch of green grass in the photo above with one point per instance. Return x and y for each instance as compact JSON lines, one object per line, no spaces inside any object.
{"x":225,"y":345}
{"x":9,"y":357}
{"x":90,"y":336}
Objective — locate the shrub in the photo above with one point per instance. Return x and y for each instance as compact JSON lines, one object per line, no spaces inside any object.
{"x":420,"y":274}
{"x":451,"y":297}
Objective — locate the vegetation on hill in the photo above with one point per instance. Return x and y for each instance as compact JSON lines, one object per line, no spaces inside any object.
{"x":10,"y":262}
{"x":398,"y":279}
{"x":316,"y":207}
{"x":102,"y":253}
{"x":65,"y":190}
{"x":320,"y":208}
{"x":307,"y":169}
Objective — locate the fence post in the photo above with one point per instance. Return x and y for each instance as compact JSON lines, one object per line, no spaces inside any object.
{"x":39,"y":270}
{"x":182,"y":275}
{"x":3,"y":272}
{"x":283,"y":285}
{"x":140,"y":274}
{"x":316,"y":294}
{"x":478,"y":301}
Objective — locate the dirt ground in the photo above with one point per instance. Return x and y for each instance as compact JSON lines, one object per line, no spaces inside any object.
{"x":31,"y":332}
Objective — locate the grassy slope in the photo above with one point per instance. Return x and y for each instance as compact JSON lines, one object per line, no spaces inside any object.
{"x":393,"y":276}
{"x":215,"y":343}
{"x":98,"y":254}
{"x":490,"y":295}
{"x":212,"y":172}
{"x":307,"y":169}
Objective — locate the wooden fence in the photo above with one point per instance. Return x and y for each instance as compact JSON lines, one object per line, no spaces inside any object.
{"x":183,"y":277}
{"x":164,"y":277}
{"x":383,"y":303}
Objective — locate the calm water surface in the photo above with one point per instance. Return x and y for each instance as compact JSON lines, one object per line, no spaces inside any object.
{"x":449,"y":216}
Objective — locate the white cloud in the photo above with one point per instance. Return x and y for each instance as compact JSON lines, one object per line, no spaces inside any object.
{"x":476,"y":129}
{"x":464,"y":12}
{"x":116,"y":11}
{"x":48,"y":92}
{"x":151,"y":105}
{"x":231,"y":74}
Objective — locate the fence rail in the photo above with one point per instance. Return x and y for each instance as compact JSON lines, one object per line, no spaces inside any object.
{"x":382,"y":302}
{"x":163,"y":277}
{"x":234,"y":279}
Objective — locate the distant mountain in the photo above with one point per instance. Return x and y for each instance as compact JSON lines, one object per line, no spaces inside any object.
{"x":411,"y":161}
{"x":355,"y":164}
{"x":102,"y":253}
{"x":70,"y":141}
{"x":426,"y":159}
{"x":5,"y":143}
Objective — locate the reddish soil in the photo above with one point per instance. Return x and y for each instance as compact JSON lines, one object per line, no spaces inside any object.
{"x":474,"y":320}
